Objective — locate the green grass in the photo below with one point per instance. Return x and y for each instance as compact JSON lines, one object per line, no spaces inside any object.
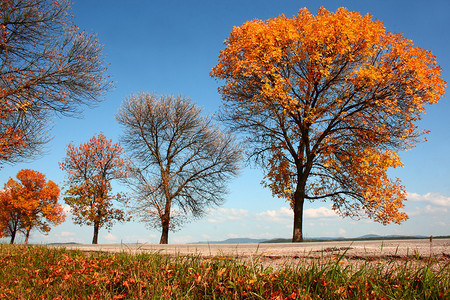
{"x":38,"y":272}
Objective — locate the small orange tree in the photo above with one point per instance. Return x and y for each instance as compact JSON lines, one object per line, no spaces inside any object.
{"x":31,"y":202}
{"x":91,"y":167}
{"x":327,"y":101}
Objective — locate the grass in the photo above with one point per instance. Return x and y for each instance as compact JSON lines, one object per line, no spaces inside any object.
{"x":38,"y":272}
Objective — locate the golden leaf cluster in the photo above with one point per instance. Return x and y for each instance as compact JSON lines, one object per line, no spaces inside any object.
{"x":335,"y":97}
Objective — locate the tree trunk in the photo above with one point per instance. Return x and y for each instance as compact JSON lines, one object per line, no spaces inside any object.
{"x":27,"y":235}
{"x":12,"y":228}
{"x":164,"y":235}
{"x":13,"y":237}
{"x":95,"y":238}
{"x":165,"y":221}
{"x":299,"y":199}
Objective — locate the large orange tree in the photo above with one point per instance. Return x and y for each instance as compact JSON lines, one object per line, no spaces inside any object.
{"x":327,"y":101}
{"x":91,"y":167}
{"x":29,"y":202}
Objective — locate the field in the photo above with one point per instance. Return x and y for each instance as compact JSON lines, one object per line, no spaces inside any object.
{"x":41,"y":272}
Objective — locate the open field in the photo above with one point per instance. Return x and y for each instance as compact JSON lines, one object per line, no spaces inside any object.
{"x":337,"y":270}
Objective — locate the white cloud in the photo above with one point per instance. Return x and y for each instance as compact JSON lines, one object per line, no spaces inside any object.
{"x":433,"y":205}
{"x":110,"y":237}
{"x":342,"y":231}
{"x":435,"y":210}
{"x":429,"y":210}
{"x":431,"y":198}
{"x":321,"y":212}
{"x":282,"y":215}
{"x":221,"y":215}
{"x":286,"y":215}
{"x":65,"y":234}
{"x":67,"y":209}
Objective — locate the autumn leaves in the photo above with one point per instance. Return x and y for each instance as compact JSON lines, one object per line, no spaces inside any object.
{"x":326,"y":102}
{"x":30,"y":202}
{"x":90,"y":168}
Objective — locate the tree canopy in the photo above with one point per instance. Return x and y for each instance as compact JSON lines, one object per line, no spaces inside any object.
{"x":182,"y":160}
{"x":326,"y":102}
{"x":29,"y":202}
{"x":91,"y":167}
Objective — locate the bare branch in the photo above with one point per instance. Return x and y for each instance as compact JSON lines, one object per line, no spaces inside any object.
{"x":47,"y":66}
{"x":182,"y":159}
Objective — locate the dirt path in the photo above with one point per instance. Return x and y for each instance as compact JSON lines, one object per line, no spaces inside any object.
{"x":438,"y":249}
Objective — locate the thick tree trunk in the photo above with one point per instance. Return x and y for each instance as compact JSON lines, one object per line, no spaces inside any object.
{"x":95,"y":238}
{"x":165,"y":222}
{"x":165,"y":219}
{"x":299,"y":199}
{"x":164,"y":234}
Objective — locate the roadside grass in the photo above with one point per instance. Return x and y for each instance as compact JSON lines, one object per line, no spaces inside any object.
{"x":38,"y":272}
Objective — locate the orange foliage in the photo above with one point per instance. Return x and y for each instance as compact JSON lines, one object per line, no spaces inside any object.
{"x":91,"y":167}
{"x":330,"y":99}
{"x":31,"y":202}
{"x":5,"y":215}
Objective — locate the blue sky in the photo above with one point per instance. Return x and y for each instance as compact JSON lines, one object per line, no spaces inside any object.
{"x":169,"y":47}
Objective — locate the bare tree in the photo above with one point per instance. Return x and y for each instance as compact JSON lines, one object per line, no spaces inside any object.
{"x":46,"y":66}
{"x":182,"y":159}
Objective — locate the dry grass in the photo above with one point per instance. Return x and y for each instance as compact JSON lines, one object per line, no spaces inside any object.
{"x":38,"y":272}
